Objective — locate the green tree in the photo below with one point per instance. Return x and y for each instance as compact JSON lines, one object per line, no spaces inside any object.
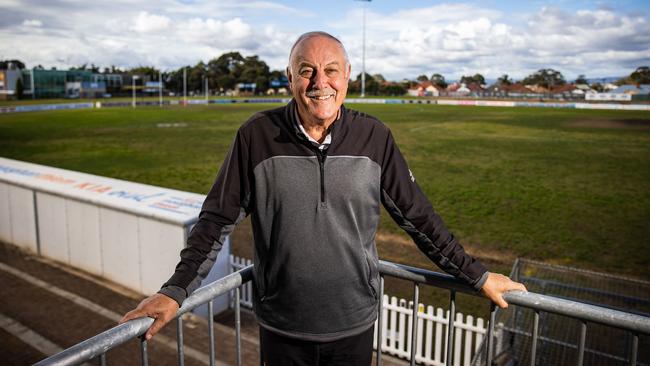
{"x":392,"y":89}
{"x":422,"y":78}
{"x":4,"y":64}
{"x":222,"y":70}
{"x":253,"y":70}
{"x":372,"y":87}
{"x":174,"y":81}
{"x":476,"y":78}
{"x":226,"y":82}
{"x":547,"y":78}
{"x":149,"y":71}
{"x":438,"y":80}
{"x":581,"y":79}
{"x":641,"y":75}
{"x":195,"y":77}
{"x":379,"y":78}
{"x":368,"y":77}
{"x":504,"y":80}
{"x":226,"y":63}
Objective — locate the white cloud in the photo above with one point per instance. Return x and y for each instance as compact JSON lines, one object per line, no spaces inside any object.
{"x":460,"y":39}
{"x":32,"y":23}
{"x":214,"y":30}
{"x":145,"y":23}
{"x":452,"y":39}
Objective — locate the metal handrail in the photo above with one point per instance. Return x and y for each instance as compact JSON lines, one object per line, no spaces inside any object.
{"x":98,"y":345}
{"x":532,"y":300}
{"x":633,"y":323}
{"x":107,"y":340}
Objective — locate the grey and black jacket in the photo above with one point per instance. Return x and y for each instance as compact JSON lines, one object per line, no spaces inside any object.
{"x":314,"y":216}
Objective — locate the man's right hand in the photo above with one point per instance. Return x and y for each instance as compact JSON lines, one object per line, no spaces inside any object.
{"x":160,"y":307}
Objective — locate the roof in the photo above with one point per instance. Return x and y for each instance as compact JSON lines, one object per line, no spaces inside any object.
{"x":566,"y":88}
{"x":516,"y":88}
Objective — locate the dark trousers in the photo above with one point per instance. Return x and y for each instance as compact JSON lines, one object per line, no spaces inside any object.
{"x":278,"y":350}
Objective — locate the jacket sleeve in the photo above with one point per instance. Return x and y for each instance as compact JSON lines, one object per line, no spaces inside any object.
{"x":225,"y":206}
{"x":412,"y":211}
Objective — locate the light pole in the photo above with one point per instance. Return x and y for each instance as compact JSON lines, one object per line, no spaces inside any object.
{"x":206,"y":88}
{"x":160,"y":87}
{"x":363,"y":52}
{"x":133,"y":88}
{"x":184,"y":85}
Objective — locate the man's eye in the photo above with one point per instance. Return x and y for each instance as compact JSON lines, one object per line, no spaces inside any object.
{"x":331,"y":71}
{"x":306,"y":72}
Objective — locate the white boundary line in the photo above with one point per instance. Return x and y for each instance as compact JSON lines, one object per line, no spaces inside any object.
{"x":28,"y":336}
{"x":109,"y":314}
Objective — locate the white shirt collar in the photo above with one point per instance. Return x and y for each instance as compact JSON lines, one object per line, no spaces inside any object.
{"x":321,"y":146}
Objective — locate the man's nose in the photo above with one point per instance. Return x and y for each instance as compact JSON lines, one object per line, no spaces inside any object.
{"x":320,"y":80}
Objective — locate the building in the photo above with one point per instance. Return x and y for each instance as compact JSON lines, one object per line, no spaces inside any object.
{"x":40,"y":83}
{"x":425,"y":89}
{"x":113,"y":83}
{"x":9,"y":77}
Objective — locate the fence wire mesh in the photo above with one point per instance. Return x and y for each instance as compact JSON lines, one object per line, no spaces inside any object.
{"x":558,"y":336}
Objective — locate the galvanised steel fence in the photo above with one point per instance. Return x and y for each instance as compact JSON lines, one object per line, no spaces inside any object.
{"x":97,"y":346}
{"x":430,"y":343}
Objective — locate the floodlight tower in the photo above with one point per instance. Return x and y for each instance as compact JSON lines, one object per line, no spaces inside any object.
{"x":363,"y":52}
{"x":133,"y":78}
{"x":184,"y":85}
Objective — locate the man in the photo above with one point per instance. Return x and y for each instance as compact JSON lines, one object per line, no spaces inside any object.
{"x":312,"y":175}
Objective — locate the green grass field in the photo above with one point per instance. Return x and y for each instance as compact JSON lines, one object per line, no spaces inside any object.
{"x":559,"y":185}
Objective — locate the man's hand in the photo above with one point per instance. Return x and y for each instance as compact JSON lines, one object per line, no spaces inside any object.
{"x":160,"y":307}
{"x":498,"y":284}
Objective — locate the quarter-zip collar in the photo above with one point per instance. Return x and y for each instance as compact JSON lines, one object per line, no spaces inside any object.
{"x":293,"y":117}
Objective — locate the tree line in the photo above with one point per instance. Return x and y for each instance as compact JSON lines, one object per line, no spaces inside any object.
{"x":226,"y":71}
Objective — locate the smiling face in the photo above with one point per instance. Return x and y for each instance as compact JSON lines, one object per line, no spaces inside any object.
{"x":318,"y":77}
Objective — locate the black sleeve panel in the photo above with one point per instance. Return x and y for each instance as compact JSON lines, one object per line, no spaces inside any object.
{"x":226,"y":204}
{"x":412,"y":211}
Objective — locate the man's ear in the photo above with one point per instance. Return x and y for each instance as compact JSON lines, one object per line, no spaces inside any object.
{"x":349,"y":71}
{"x":289,"y":76}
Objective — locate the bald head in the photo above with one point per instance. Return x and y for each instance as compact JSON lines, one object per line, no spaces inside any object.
{"x":308,"y":35}
{"x":318,"y":74}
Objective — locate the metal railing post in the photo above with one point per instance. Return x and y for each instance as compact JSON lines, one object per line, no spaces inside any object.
{"x":581,"y":343}
{"x":380,"y":334}
{"x":414,"y":321}
{"x":238,"y":325}
{"x":211,"y":331}
{"x":179,"y":341}
{"x":144,"y":359}
{"x":97,"y":346}
{"x":450,"y":328}
{"x":533,"y":349}
{"x":490,"y":336}
{"x":634,"y":347}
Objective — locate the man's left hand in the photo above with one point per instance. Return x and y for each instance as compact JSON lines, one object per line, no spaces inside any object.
{"x":497,"y":285}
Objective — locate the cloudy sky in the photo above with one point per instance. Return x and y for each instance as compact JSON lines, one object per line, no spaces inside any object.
{"x":404,"y":38}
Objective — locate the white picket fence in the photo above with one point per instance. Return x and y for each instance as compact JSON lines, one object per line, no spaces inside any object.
{"x":397,"y":316}
{"x":246,"y":293}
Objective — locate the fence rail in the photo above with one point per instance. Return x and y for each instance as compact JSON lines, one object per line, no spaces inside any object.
{"x":432,"y":324}
{"x":97,"y":346}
